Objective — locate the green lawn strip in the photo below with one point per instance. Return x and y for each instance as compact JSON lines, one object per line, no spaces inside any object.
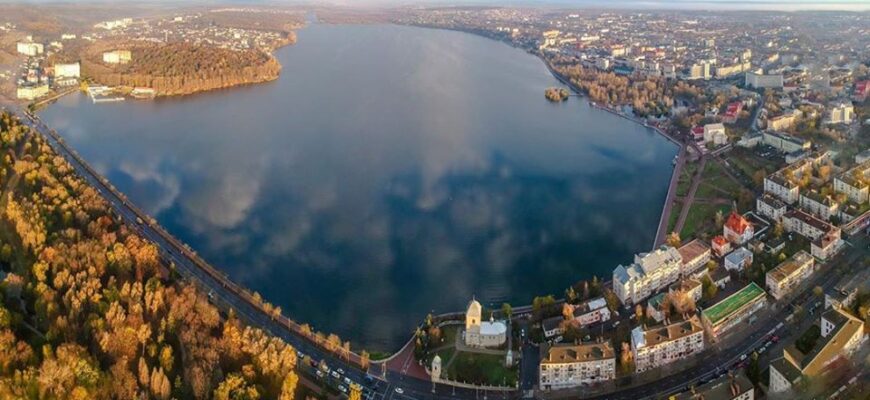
{"x":675,"y":215}
{"x":700,"y":220}
{"x":482,"y":369}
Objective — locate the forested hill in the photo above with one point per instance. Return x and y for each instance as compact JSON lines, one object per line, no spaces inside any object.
{"x":181,"y":68}
{"x":88,"y":310}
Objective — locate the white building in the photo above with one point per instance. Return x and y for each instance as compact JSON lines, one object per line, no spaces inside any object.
{"x":482,"y":333}
{"x":782,"y":141}
{"x":770,"y":207}
{"x":805,"y":224}
{"x":32,"y":92}
{"x":737,"y":229}
{"x":72,"y":70}
{"x":723,"y":388}
{"x":853,"y":183}
{"x":822,"y":206}
{"x":30,"y":49}
{"x":715,"y":133}
{"x":784,"y":189}
{"x":789,"y":274}
{"x":759,"y":80}
{"x":565,"y":366}
{"x":649,"y":273}
{"x":827,"y":245}
{"x":590,"y":312}
{"x":738,"y":260}
{"x":659,"y":346}
{"x":695,"y":256}
{"x":117,"y":57}
{"x":841,"y":114}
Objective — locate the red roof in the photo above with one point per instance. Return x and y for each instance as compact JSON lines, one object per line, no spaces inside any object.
{"x":862,"y":87}
{"x":698,"y":131}
{"x":733,"y":109}
{"x":719,"y":241}
{"x":736,"y":223}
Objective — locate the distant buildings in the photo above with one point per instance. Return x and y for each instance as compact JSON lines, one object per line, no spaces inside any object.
{"x":660,"y":346}
{"x":715,"y":133}
{"x":117,"y":57}
{"x":649,"y":273}
{"x":565,"y":366}
{"x":482,"y":333}
{"x":757,"y":79}
{"x":725,"y":71}
{"x":841,"y":114}
{"x":841,"y":333}
{"x":29,"y":48}
{"x":72,"y":70}
{"x":789,"y":274}
{"x":733,"y":310}
{"x":32,"y":92}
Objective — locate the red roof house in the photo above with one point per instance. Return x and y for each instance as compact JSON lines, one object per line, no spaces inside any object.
{"x":732,"y":112}
{"x":721,"y":246}
{"x":862,"y":90}
{"x":737,"y":229}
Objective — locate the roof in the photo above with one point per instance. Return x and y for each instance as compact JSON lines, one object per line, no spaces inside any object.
{"x":733,"y":303}
{"x":722,"y":388}
{"x":788,"y":267}
{"x":692,"y":250}
{"x":567,"y":353}
{"x":786,"y":369}
{"x":809,"y":220}
{"x":656,"y":300}
{"x":828,"y":348}
{"x":488,"y":328}
{"x":550,"y":324}
{"x":771,"y":201}
{"x":737,"y":256}
{"x":589,"y":306}
{"x":737,"y":223}
{"x":659,"y":335}
{"x":720,"y":241}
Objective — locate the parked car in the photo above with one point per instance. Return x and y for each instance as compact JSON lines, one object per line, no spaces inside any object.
{"x":399,"y":390}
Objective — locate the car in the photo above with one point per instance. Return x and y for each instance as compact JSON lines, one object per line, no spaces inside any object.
{"x":340,"y":371}
{"x":342,"y":388}
{"x":347,"y":380}
{"x":400,"y":390}
{"x":615,"y":324}
{"x":334,"y":374}
{"x":320,"y":374}
{"x":742,"y":357}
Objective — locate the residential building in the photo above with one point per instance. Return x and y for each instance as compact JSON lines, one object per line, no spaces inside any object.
{"x":720,"y":245}
{"x":726,"y":387}
{"x":841,"y":114}
{"x":781,"y":122}
{"x":854,"y":183}
{"x":826,"y":246}
{"x":822,"y":206}
{"x":72,"y":70}
{"x":117,"y":57}
{"x":654,"y":307}
{"x":553,"y":327}
{"x":770,"y":207}
{"x":758,"y":79}
{"x":782,"y":188}
{"x":32,"y":92}
{"x":789,"y":274}
{"x":695,"y":256}
{"x":782,"y":141}
{"x":720,"y":277}
{"x":733,"y":310}
{"x":737,"y":229}
{"x":732,"y":112}
{"x":841,"y":334}
{"x":738,"y":259}
{"x":591,"y":311}
{"x":30,"y":49}
{"x":842,"y":297}
{"x":691,"y":286}
{"x":565,"y":366}
{"x":649,"y":273}
{"x":804,"y":224}
{"x":715,"y":133}
{"x":653,"y":348}
{"x":862,"y":90}
{"x":734,"y":69}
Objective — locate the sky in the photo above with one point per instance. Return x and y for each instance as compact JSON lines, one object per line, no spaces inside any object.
{"x":780,"y":5}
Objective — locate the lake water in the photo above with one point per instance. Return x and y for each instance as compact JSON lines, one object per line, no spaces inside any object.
{"x":391,"y":171}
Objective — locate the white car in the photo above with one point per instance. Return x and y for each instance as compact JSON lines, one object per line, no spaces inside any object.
{"x":399,"y":390}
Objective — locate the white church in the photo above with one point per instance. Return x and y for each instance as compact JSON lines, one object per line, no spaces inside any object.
{"x":482,"y":333}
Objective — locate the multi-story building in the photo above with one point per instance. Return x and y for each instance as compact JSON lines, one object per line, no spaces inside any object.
{"x":592,"y":311}
{"x":781,"y":122}
{"x":854,"y":183}
{"x":781,"y":141}
{"x":553,"y":327}
{"x":827,"y":245}
{"x":565,"y":366}
{"x":841,"y":333}
{"x":789,"y":274}
{"x":32,"y":92}
{"x":734,"y":69}
{"x":738,"y":260}
{"x":660,"y":346}
{"x":29,"y":48}
{"x":117,"y":57}
{"x":737,"y":229}
{"x":733,"y":310}
{"x":72,"y":70}
{"x":770,"y":207}
{"x":649,"y":273}
{"x":695,"y":256}
{"x":804,"y":224}
{"x":757,"y":79}
{"x":841,"y":114}
{"x":815,"y":203}
{"x":726,"y":387}
{"x":732,"y":112}
{"x":784,"y":189}
{"x":715,"y":133}
{"x":691,"y":286}
{"x":720,"y":246}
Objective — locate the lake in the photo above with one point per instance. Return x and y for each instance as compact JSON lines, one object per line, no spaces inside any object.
{"x":390,"y":172}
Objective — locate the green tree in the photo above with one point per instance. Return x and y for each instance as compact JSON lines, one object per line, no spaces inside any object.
{"x":506,"y":311}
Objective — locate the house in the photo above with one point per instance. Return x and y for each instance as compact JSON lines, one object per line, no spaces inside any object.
{"x":737,"y":229}
{"x":725,"y":387}
{"x":841,"y":334}
{"x":564,"y":366}
{"x":695,"y":256}
{"x":553,"y":327}
{"x":789,"y":274}
{"x":738,"y":260}
{"x":720,"y":245}
{"x":715,"y":133}
{"x":691,"y":286}
{"x":771,"y":207}
{"x":733,"y":310}
{"x":653,"y":348}
{"x":649,"y":273}
{"x":591,"y":311}
{"x":842,"y":297}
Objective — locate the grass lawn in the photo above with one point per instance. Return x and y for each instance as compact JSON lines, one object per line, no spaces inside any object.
{"x":747,"y":162}
{"x":716,"y":183}
{"x":808,"y":339}
{"x":675,"y":215}
{"x":486,"y":369}
{"x":701,"y":220}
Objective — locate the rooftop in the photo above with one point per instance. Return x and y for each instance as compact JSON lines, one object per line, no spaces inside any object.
{"x":722,"y":388}
{"x":790,"y":266}
{"x":567,"y":353}
{"x":659,"y":335}
{"x":828,"y":348}
{"x":692,"y":250}
{"x":733,"y":303}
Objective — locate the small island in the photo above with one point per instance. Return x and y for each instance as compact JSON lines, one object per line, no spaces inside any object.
{"x":556,"y":94}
